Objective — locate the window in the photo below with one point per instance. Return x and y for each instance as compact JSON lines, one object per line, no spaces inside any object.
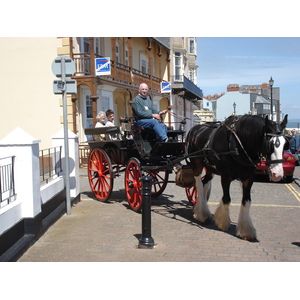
{"x":88,"y":105}
{"x":97,"y":45}
{"x":178,"y":63}
{"x":156,"y":105}
{"x":192,"y":75}
{"x":117,"y":52}
{"x":105,"y":103}
{"x":84,"y":49}
{"x":192,"y":46}
{"x":86,"y":44}
{"x":126,"y":57}
{"x":88,"y":114}
{"x":144,"y":64}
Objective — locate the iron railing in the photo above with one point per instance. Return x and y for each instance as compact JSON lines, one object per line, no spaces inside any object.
{"x":7,"y":180}
{"x":50,"y":163}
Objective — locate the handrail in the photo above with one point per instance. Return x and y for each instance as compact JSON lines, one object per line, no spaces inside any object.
{"x":7,"y":180}
{"x":50,"y":163}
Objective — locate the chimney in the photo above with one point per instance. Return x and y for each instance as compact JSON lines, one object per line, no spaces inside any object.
{"x":233,"y":88}
{"x":264,"y":86}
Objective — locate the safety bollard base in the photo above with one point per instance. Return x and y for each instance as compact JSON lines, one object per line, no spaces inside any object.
{"x":146,"y":243}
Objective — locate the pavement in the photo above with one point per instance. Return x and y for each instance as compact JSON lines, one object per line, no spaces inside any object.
{"x":110,"y":231}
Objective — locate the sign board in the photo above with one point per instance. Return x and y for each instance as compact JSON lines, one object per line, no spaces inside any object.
{"x":102,"y":66}
{"x":68,"y":63}
{"x":165,"y":87}
{"x":69,"y":86}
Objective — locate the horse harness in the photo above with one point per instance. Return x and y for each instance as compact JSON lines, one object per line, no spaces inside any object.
{"x":268,"y":146}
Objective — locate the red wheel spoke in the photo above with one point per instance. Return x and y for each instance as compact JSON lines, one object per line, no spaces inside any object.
{"x":100,"y":174}
{"x":133,"y":184}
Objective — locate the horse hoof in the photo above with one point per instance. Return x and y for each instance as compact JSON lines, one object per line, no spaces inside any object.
{"x":246,"y":236}
{"x":202,"y":220}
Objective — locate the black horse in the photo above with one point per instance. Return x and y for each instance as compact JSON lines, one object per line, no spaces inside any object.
{"x":231,"y":149}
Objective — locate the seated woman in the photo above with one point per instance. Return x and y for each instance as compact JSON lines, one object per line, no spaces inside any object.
{"x":100,"y":123}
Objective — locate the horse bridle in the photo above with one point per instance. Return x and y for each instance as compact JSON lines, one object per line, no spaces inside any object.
{"x":268,"y":147}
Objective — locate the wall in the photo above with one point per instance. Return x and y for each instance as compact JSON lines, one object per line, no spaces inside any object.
{"x":225,"y":105}
{"x":34,"y":207}
{"x":26,"y":93}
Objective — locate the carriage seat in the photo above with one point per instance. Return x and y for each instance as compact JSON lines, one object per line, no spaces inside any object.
{"x":96,"y":132}
{"x":145,"y":133}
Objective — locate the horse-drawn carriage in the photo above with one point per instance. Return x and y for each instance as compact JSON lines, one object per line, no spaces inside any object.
{"x":138,"y":153}
{"x":230,"y":149}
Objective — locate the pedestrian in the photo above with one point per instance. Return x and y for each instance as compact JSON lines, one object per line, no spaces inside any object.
{"x":294,"y":142}
{"x":147,"y":116}
{"x":295,"y":146}
{"x":100,"y":123}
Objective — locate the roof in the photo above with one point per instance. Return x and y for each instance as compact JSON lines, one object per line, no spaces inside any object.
{"x":165,"y":41}
{"x":261,"y":99}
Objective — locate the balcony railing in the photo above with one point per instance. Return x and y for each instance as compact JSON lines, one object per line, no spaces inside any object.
{"x":119,"y":72}
{"x":7,"y":181}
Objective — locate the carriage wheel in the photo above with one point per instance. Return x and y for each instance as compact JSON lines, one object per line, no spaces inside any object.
{"x":100,"y":174}
{"x":133,"y":184}
{"x":191,"y":192}
{"x":159,"y":181}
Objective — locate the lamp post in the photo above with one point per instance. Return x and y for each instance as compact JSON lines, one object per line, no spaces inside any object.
{"x":271,"y":82}
{"x":234,"y":106}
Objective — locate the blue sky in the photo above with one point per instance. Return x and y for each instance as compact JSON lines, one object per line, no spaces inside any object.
{"x":251,"y":60}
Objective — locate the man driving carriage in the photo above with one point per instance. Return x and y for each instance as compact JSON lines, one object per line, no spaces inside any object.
{"x":146,"y":115}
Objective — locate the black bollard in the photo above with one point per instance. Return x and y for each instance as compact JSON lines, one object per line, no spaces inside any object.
{"x":146,"y":241}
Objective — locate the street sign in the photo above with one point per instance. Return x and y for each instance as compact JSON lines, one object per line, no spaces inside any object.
{"x":69,"y":87}
{"x":102,"y":66}
{"x":68,"y":63}
{"x":165,"y":87}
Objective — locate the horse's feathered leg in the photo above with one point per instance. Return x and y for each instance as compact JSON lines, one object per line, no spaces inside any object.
{"x":245,"y":228}
{"x":221,"y":216}
{"x":201,"y":210}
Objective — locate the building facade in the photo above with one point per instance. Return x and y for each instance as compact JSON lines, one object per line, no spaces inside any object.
{"x":246,"y":99}
{"x":133,"y":61}
{"x":186,"y":95}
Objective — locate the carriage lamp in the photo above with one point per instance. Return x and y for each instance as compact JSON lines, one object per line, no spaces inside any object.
{"x":234,"y":106}
{"x":271,"y":82}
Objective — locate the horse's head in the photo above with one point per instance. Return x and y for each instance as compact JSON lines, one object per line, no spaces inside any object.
{"x":274,"y":145}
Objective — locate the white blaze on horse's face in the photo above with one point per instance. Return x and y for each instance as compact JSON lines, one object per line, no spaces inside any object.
{"x":276,"y":169}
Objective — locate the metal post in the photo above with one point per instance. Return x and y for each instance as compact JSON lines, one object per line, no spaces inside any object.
{"x":271,"y":103}
{"x":146,"y":241}
{"x":66,"y":138}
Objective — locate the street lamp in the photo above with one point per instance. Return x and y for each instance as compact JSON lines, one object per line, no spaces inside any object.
{"x":234,"y":106}
{"x":271,"y":82}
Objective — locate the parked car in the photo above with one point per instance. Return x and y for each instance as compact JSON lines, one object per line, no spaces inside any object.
{"x":288,"y":167}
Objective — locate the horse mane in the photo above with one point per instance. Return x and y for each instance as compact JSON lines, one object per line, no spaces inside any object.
{"x":250,"y":129}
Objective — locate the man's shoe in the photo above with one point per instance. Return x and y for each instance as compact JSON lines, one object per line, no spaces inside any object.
{"x":165,"y":140}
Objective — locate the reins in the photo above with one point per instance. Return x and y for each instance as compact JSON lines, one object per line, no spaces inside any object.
{"x":233,"y":152}
{"x":241,"y":145}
